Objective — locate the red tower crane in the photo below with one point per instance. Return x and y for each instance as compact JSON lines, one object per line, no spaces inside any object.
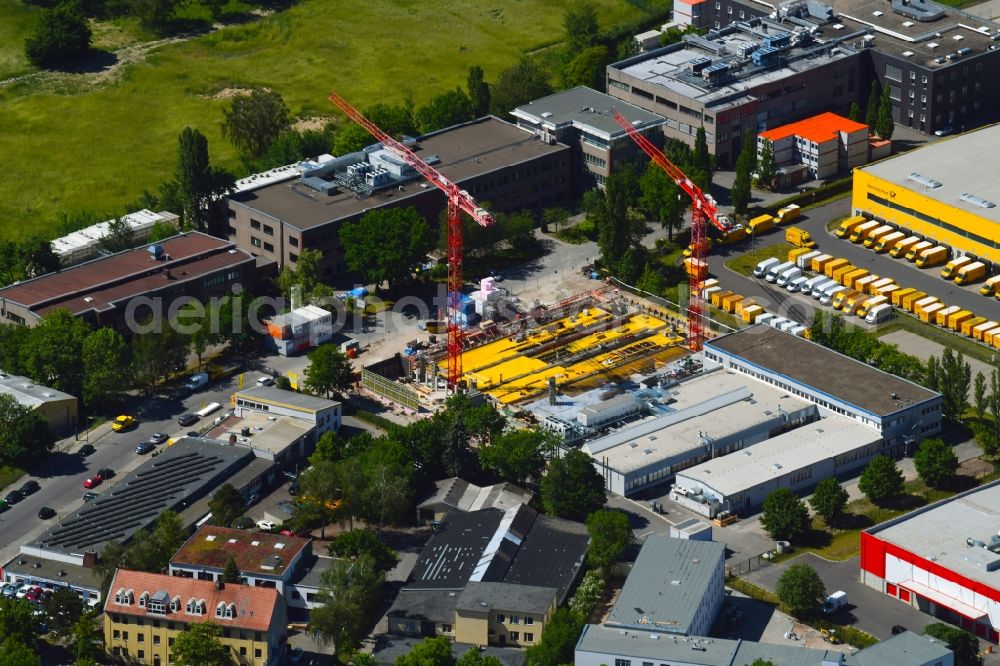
{"x":458,"y":199}
{"x":703,"y":207}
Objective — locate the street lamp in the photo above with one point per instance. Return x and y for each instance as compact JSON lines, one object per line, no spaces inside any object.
{"x":87,"y":428}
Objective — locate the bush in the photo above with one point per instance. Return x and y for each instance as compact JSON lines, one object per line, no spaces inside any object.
{"x":801,"y":590}
{"x":785,"y":516}
{"x":62,"y":35}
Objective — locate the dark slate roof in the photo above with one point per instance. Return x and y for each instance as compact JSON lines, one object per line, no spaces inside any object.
{"x":479,"y":597}
{"x":450,"y":556}
{"x":425,"y":605}
{"x":550,"y":555}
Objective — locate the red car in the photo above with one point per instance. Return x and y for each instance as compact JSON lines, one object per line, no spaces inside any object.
{"x":33,"y":593}
{"x":93,"y":481}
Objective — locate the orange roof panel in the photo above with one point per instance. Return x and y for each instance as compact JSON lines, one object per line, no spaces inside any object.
{"x":817,"y":129}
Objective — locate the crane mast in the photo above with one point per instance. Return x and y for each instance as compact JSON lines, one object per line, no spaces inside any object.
{"x":458,"y":200}
{"x":704,"y":210}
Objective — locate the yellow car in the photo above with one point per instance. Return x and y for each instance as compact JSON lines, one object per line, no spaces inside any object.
{"x":123,"y":423}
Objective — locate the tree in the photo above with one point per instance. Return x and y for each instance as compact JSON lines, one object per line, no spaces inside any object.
{"x":829,"y":500}
{"x":255,"y":120}
{"x":349,"y":594}
{"x":854,"y":112}
{"x":37,"y":257}
{"x":610,"y":535}
{"x":954,"y":377}
{"x":356,"y":543}
{"x":52,"y":354}
{"x":157,"y":354}
{"x":580,"y":23}
{"x":935,"y":461}
{"x":329,"y":370}
{"x":386,"y":244}
{"x":478,"y":91}
{"x":979,"y":394}
{"x":16,"y":653}
{"x":24,"y":433}
{"x":231,"y":573}
{"x":106,"y":365}
{"x":63,"y":609}
{"x":444,"y":110}
{"x":588,"y":594}
{"x":881,"y":479}
{"x":17,"y":620}
{"x":885,"y":123}
{"x":197,"y":184}
{"x":226,"y":505}
{"x":586,"y":68}
{"x":85,"y":639}
{"x":517,"y":85}
{"x":745,"y":164}
{"x":785,"y":516}
{"x":617,"y":229}
{"x":560,"y":637}
{"x":651,"y":281}
{"x":474,"y":657}
{"x":154,"y":15}
{"x":701,"y":160}
{"x":161,"y":230}
{"x":350,"y":138}
{"x":120,"y":235}
{"x":993,"y":441}
{"x":871,"y":112}
{"x":767,"y":168}
{"x":434,"y":651}
{"x":962,"y":643}
{"x":518,"y":455}
{"x":628,"y":47}
{"x":801,"y":590}
{"x":199,"y":645}
{"x":12,"y":340}
{"x":572,"y":488}
{"x":307,"y":275}
{"x":61,"y":37}
{"x":661,"y":199}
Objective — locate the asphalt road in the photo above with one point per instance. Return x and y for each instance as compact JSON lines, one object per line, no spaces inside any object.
{"x":61,"y":474}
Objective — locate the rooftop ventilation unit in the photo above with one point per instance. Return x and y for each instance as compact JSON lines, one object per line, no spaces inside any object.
{"x":698,"y":64}
{"x":876,"y":13}
{"x":907,"y":24}
{"x":918,"y":10}
{"x":932,"y":45}
{"x":907,"y":54}
{"x":929,"y":183}
{"x":964,"y":51}
{"x":958,"y":38}
{"x":979,"y":201}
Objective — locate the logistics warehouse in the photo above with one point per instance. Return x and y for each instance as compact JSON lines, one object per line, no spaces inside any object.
{"x":946,"y":192}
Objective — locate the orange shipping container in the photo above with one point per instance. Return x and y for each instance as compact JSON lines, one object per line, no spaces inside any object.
{"x":941,"y":316}
{"x":927,"y":313}
{"x":969,"y":325}
{"x":956,"y":320}
{"x":718,"y":296}
{"x":729,"y":303}
{"x":900,"y":294}
{"x":833,"y":265}
{"x":979,"y":331}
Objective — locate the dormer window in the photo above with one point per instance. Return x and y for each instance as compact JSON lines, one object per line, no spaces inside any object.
{"x":120,"y":596}
{"x":143,"y":598}
{"x":175,"y":604}
{"x":202,"y":607}
{"x":129,"y":597}
{"x":220,"y":609}
{"x":196,"y":606}
{"x":231,"y":611}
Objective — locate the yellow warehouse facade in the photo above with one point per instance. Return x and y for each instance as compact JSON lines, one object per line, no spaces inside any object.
{"x":946,"y":192}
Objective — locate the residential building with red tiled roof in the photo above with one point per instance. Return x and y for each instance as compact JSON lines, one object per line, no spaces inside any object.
{"x":101,"y":291}
{"x":144,"y":612}
{"x":821,"y":145}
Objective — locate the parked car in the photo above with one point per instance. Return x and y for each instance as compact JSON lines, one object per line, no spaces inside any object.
{"x":253,"y":499}
{"x":13,"y":497}
{"x":158,"y":438}
{"x":46,"y":512}
{"x":265,"y":525}
{"x":265,"y":381}
{"x":33,"y":592}
{"x":22,"y":591}
{"x":106,"y":473}
{"x":86,"y":450}
{"x":144,"y":448}
{"x":89,"y":496}
{"x":193,"y":433}
{"x":187,"y":419}
{"x":898,"y":629}
{"x":93,"y":481}
{"x":29,"y":487}
{"x":8,"y":590}
{"x":123,"y":423}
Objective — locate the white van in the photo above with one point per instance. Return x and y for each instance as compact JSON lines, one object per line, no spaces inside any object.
{"x":788,"y":276}
{"x":828,"y":295}
{"x":763,"y":267}
{"x":835,"y":602}
{"x":807,"y":287}
{"x":765,"y":318}
{"x":797,"y":284}
{"x":195,"y":382}
{"x":820,"y":287}
{"x":879,"y":314}
{"x":773,"y":272}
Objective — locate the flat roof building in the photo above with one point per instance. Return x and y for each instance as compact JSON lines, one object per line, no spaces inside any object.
{"x":57,"y":408}
{"x":583,"y":118}
{"x":493,"y":160}
{"x":286,"y":440}
{"x":322,"y":414}
{"x":797,"y":460}
{"x":85,"y":244}
{"x":824,"y":144}
{"x":900,"y":410}
{"x":945,"y":191}
{"x":101,"y":291}
{"x":943,"y":559}
{"x":676,"y":586}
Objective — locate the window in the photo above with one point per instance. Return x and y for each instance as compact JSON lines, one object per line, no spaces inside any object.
{"x":243,"y":651}
{"x":116,"y":634}
{"x":514,"y":636}
{"x":268,"y":247}
{"x":156,"y":639}
{"x":293,"y":258}
{"x":893,"y":72}
{"x":528,"y":619}
{"x":293,"y":241}
{"x":718,"y":6}
{"x":257,"y":653}
{"x":500,"y":618}
{"x":268,"y":231}
{"x":141,"y":638}
{"x":913,"y":77}
{"x":141,"y":654}
{"x":254,"y":224}
{"x":446,"y":628}
{"x":255,"y":241}
{"x":515,"y":619}
{"x":143,"y":598}
{"x":124,"y":635}
{"x":623,"y":662}
{"x":529,"y":638}
{"x":742,"y":14}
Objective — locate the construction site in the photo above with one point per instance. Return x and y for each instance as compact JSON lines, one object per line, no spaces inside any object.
{"x":584,"y":342}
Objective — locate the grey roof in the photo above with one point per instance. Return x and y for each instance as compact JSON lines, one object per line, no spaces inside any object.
{"x":841,"y":378}
{"x":275,"y":395}
{"x":481,"y":597}
{"x":310,"y":569}
{"x":456,"y":493}
{"x":586,"y":109}
{"x":63,"y":573}
{"x":448,"y":559}
{"x":178,"y":476}
{"x":425,"y":605}
{"x":28,"y":393}
{"x":901,"y":649}
{"x":964,"y":164}
{"x":658,"y":647}
{"x":785,"y":655}
{"x":551,"y":555}
{"x":389,"y":647}
{"x":667,"y":584}
{"x":939,"y":532}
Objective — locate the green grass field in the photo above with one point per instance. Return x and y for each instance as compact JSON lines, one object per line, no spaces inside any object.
{"x":17,"y":23}
{"x":746,"y":262}
{"x":81,"y":147}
